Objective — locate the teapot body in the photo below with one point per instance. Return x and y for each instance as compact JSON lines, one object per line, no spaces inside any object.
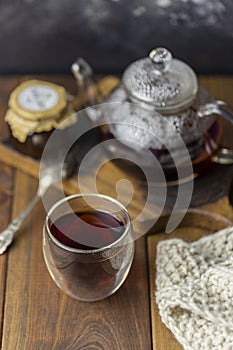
{"x":159,"y":106}
{"x":186,"y":122}
{"x":160,"y":133}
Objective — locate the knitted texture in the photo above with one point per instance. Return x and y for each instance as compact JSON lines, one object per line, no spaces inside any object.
{"x":194,"y":290}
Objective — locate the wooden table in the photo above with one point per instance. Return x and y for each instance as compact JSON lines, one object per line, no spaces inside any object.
{"x":35,"y":314}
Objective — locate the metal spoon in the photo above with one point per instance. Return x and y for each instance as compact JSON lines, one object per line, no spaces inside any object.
{"x":48,"y":177}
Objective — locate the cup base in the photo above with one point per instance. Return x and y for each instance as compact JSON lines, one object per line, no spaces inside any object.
{"x":84,"y":294}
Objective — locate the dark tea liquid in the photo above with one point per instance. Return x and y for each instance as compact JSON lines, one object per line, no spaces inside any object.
{"x":87,"y":230}
{"x":201,"y":152}
{"x":89,"y":274}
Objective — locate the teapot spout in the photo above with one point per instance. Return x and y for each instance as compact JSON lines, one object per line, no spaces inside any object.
{"x":88,"y":92}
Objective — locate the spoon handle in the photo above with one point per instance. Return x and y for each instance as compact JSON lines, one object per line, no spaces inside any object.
{"x":6,"y":237}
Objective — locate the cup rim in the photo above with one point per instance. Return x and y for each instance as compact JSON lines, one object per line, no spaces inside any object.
{"x":127,"y":225}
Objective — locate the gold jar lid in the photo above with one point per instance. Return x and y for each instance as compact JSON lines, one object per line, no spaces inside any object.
{"x":37,"y":106}
{"x":38,"y":100}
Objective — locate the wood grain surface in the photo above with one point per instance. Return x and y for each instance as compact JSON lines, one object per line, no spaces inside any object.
{"x":34,"y":313}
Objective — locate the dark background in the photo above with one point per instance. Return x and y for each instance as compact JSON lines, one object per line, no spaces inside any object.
{"x":46,"y":36}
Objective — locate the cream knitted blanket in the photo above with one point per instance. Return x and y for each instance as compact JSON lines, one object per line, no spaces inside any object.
{"x":194,"y":290}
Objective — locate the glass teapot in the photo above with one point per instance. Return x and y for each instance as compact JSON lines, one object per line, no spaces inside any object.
{"x":161,"y":102}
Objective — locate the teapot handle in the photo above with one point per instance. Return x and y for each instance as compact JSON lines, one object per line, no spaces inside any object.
{"x":224,"y":155}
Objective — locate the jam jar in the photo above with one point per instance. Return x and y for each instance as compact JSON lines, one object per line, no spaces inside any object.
{"x":36,"y":108}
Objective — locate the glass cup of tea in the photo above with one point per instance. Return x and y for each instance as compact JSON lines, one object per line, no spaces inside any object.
{"x":88,"y":245}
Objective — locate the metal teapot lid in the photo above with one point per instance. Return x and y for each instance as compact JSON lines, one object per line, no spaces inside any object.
{"x":161,"y":81}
